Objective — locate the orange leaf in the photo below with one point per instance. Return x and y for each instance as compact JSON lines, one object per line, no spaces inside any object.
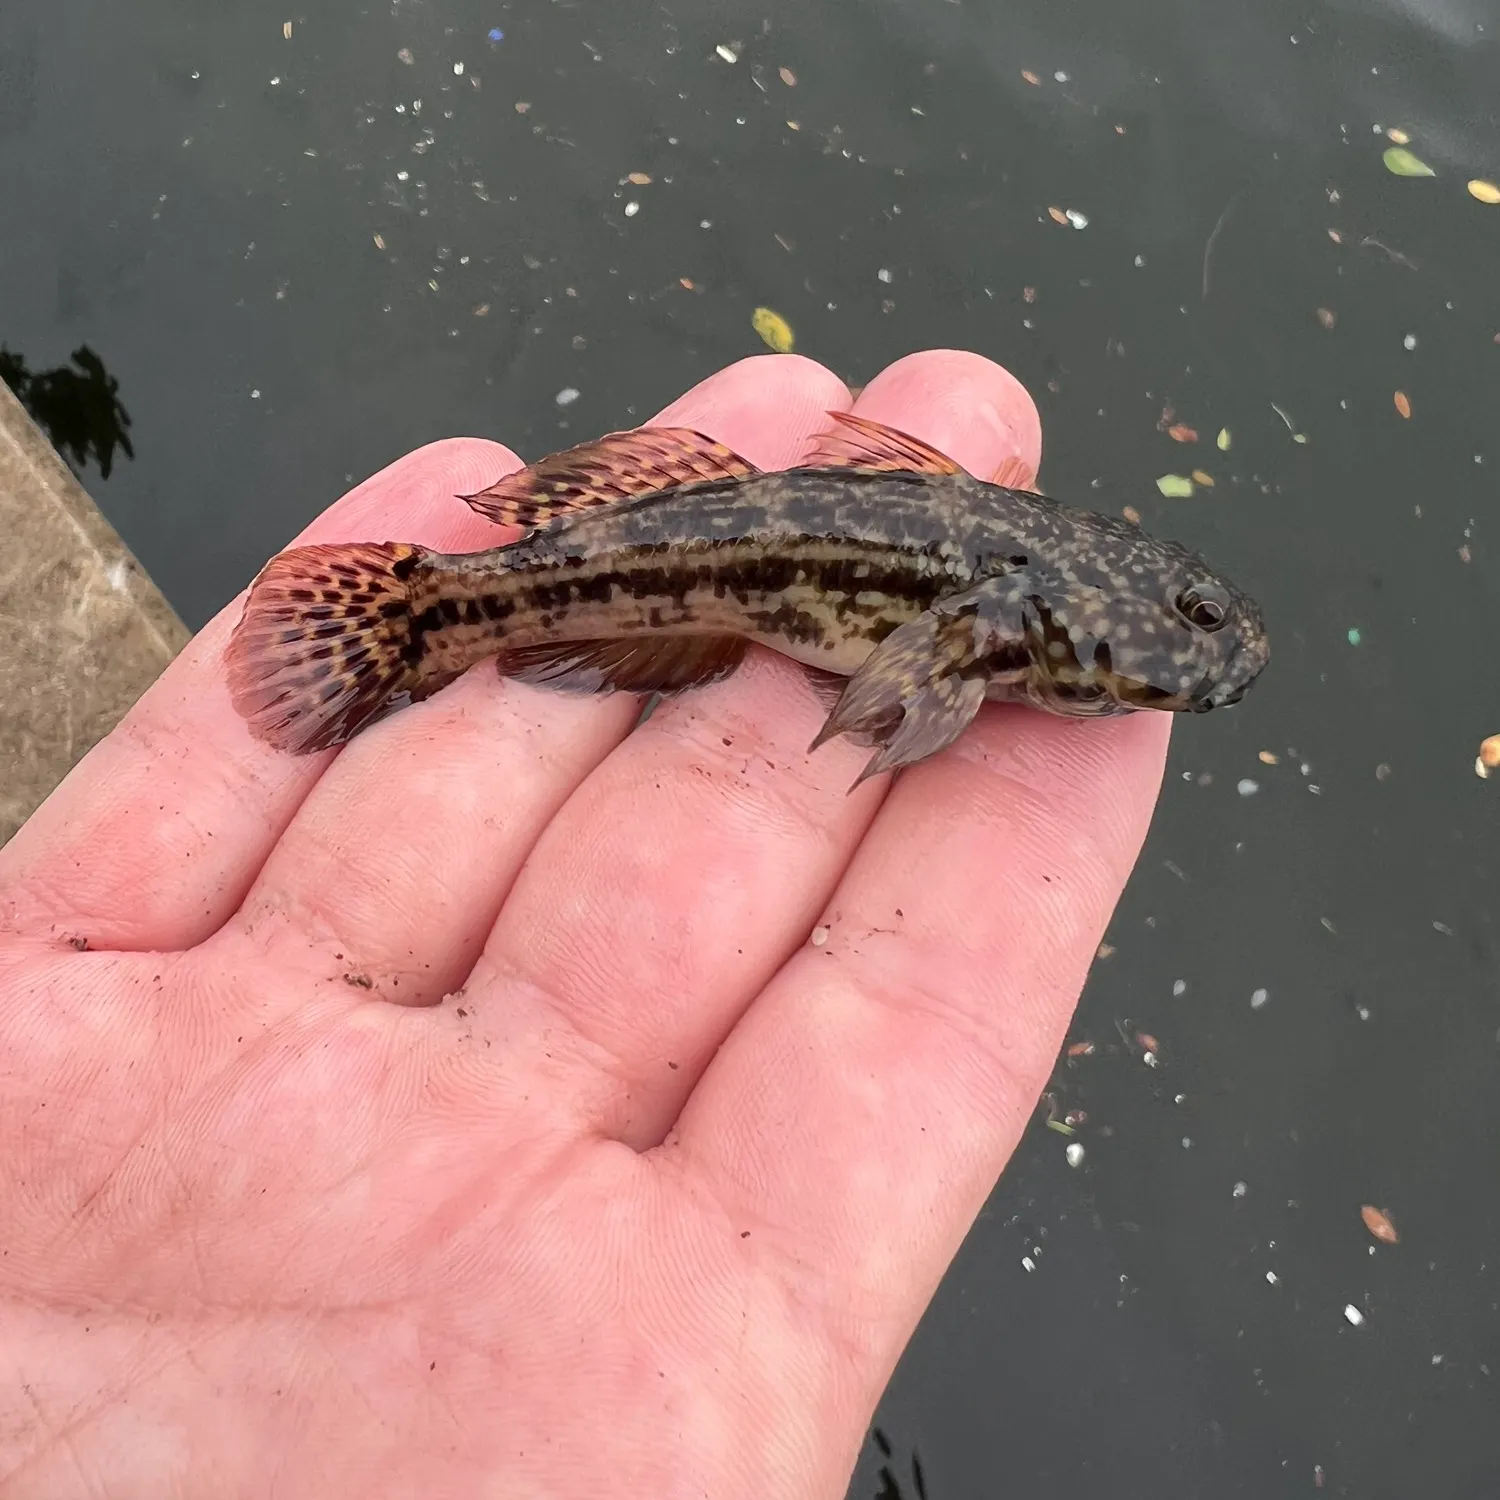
{"x":1180,"y":432}
{"x":1031,"y":77}
{"x":1057,"y":216}
{"x":1403,"y":403}
{"x":1379,"y":1224}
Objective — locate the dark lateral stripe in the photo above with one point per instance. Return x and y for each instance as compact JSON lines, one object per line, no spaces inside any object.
{"x":740,"y":573}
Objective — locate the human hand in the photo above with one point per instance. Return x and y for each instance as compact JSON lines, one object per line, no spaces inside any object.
{"x":638,"y":1188}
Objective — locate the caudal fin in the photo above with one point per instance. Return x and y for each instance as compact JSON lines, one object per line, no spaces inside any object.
{"x":326,"y":643}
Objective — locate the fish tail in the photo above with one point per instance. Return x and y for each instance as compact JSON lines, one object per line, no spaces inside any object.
{"x":330,"y":640}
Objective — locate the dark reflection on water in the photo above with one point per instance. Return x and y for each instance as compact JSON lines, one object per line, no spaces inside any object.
{"x":79,"y":409}
{"x":308,"y":255}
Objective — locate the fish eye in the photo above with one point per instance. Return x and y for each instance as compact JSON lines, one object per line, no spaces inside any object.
{"x":1202,"y":607}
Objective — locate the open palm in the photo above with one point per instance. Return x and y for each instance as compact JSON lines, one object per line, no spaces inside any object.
{"x":698,"y":1069}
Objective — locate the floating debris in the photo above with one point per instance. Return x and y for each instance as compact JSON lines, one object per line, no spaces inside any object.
{"x":496,"y":35}
{"x":1327,"y":317}
{"x":1379,"y":1224}
{"x":727,"y":53}
{"x":1175,"y":486}
{"x":1354,"y":635}
{"x":1486,"y":192}
{"x":773,"y":329}
{"x":1131,"y":514}
{"x":1403,"y":404}
{"x":286,"y":31}
{"x":1403,"y":163}
{"x":405,"y":56}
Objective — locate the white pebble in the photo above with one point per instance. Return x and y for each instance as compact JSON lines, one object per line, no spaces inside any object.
{"x":1179,"y":987}
{"x":1248,"y":788}
{"x":1027,"y":1261}
{"x":1076,"y":219}
{"x":1240,"y":1189}
{"x":1271,"y":1278}
{"x":1074,"y":1153}
{"x":1258,"y":998}
{"x":458,"y":70}
{"x":1353,"y":1314}
{"x":1410,"y":341}
{"x":883,"y":275}
{"x":632,"y":209}
{"x":566,"y":396}
{"x":1060,"y":76}
{"x":819,"y":936}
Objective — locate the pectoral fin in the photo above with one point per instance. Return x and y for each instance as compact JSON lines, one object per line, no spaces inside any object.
{"x":921,"y":687}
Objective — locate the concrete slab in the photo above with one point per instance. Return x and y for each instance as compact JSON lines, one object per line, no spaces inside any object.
{"x":84,"y":630}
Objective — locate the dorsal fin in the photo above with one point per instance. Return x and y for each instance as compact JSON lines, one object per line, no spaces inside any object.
{"x":1015,"y":474}
{"x":857,"y":442}
{"x":618,"y":466}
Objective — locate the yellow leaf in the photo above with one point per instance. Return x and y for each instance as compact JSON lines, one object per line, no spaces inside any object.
{"x":774,"y":329}
{"x":640,"y":179}
{"x":1399,"y":136}
{"x":1203,"y":477}
{"x":1224,"y":440}
{"x":1486,"y":192}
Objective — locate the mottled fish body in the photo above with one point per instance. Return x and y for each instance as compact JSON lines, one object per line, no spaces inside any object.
{"x":654,"y":558}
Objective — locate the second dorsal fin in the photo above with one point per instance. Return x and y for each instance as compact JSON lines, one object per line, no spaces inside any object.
{"x":856,"y":442}
{"x":618,"y":466}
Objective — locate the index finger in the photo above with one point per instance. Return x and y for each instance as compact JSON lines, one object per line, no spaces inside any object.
{"x":153,"y":838}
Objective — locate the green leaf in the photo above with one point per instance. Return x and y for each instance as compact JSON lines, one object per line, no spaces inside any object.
{"x":1175,"y":486}
{"x":1401,"y":161}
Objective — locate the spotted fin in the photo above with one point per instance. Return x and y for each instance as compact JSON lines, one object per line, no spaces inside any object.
{"x":618,"y":466}
{"x":630,"y":664}
{"x":856,"y":442}
{"x":921,"y":687}
{"x":327,"y":645}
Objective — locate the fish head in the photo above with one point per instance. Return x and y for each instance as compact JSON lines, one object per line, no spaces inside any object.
{"x":1140,"y":626}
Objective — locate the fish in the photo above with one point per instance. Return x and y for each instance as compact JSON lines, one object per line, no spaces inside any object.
{"x":650,"y":560}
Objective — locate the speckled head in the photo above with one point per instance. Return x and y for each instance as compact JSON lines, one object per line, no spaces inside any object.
{"x":1144,"y":624}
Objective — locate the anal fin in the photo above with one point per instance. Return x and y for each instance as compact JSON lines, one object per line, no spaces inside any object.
{"x":618,"y":466}
{"x":627,"y":664}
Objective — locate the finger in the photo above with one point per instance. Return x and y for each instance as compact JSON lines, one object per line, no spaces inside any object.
{"x":687,"y":869}
{"x":912,"y":1044}
{"x":155,"y":836}
{"x":400,"y":858}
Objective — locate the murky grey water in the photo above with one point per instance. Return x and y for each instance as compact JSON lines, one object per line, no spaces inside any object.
{"x":297,"y":271}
